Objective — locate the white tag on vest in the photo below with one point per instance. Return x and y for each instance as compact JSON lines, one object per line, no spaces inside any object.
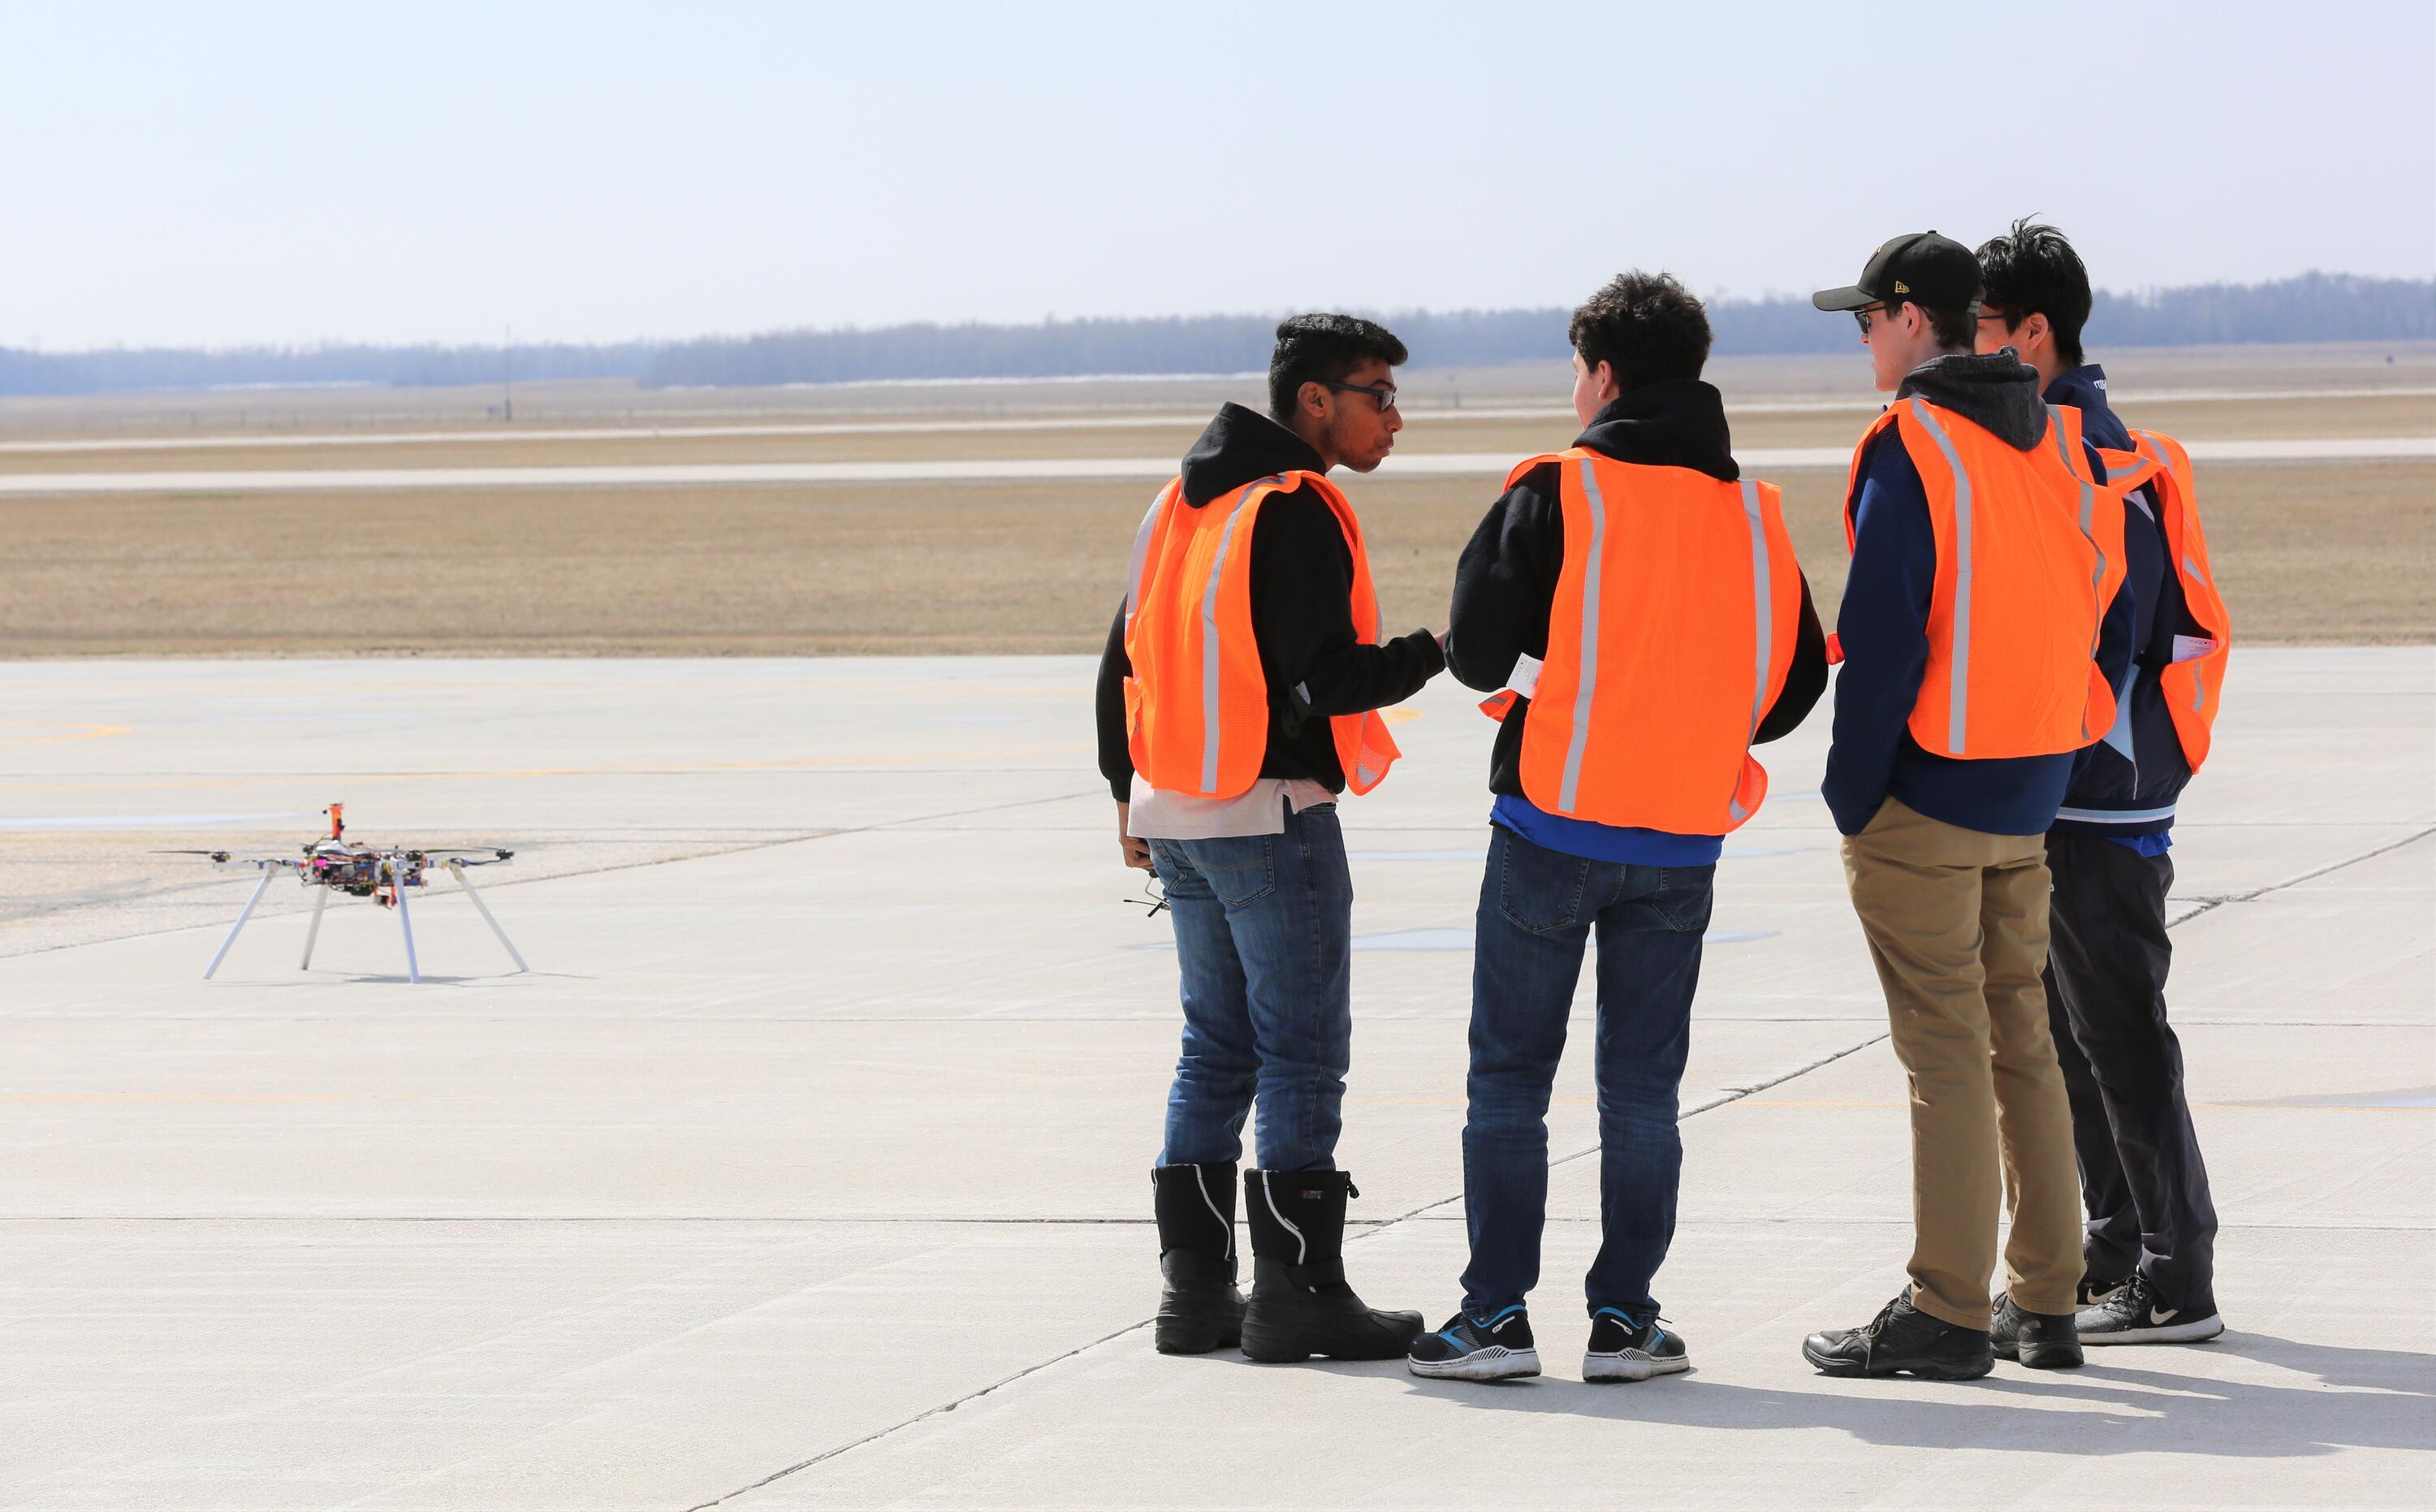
{"x":2191,"y":647}
{"x":1525,"y":679}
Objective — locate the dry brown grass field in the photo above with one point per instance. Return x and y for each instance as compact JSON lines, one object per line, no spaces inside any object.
{"x":2324,"y":553}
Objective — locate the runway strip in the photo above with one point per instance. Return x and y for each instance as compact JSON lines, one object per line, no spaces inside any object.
{"x":1080,"y":421}
{"x":1759,"y":461}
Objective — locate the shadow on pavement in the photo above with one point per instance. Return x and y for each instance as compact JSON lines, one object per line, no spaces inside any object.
{"x":2352,"y":1399}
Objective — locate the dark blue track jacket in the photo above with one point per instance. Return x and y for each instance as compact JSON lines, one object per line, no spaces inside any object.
{"x":2125,"y":787}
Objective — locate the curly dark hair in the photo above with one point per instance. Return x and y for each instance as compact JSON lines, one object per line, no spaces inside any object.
{"x":1646,"y":327}
{"x":1325,"y":349}
{"x":2032,"y":269}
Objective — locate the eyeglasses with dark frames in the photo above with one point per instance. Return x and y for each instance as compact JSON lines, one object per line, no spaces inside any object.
{"x":1383,"y":395}
{"x":1154,"y":895}
{"x":1861,"y":316}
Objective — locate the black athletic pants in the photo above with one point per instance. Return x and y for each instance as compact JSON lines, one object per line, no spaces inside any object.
{"x":2141,"y":1176}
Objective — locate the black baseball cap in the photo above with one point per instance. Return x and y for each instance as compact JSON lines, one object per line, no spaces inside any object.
{"x":1923,"y":267}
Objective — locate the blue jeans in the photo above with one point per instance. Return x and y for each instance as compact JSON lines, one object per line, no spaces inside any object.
{"x":1537,"y":909}
{"x":1263,"y":927}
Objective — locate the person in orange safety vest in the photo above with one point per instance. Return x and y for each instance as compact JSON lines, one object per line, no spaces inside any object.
{"x":1238,"y":697}
{"x":1635,"y":600}
{"x":1984,"y":632}
{"x":2149,"y":1245}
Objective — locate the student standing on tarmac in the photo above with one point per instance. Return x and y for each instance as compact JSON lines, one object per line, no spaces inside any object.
{"x":1235,"y":703}
{"x":1983,"y":632}
{"x":2151,"y":1245}
{"x":1641,"y":604}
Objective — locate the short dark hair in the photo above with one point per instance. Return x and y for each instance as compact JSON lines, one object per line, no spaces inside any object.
{"x":1325,"y":349}
{"x":1646,"y":327}
{"x":1955,"y":330}
{"x":2032,"y":269}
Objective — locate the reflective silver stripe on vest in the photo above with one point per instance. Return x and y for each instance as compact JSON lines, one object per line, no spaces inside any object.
{"x":1762,"y":621}
{"x":1957,"y":694}
{"x":1141,"y":553}
{"x":1210,"y":637}
{"x":1590,"y":640}
{"x":2115,"y":816}
{"x":2088,"y":514}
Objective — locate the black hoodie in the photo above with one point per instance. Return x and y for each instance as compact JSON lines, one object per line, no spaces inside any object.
{"x":1507,"y":576}
{"x":1302,"y":613}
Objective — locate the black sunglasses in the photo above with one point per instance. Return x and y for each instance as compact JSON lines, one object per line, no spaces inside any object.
{"x":1383,"y":395}
{"x":1861,"y":316}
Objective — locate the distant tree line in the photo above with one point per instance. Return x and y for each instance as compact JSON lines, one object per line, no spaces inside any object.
{"x":118,"y":370}
{"x":2313,"y":307}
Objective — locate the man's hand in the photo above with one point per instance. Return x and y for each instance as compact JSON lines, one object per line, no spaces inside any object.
{"x":1136,"y":851}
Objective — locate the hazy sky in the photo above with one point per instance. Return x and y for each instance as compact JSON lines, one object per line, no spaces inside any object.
{"x":223,"y":174}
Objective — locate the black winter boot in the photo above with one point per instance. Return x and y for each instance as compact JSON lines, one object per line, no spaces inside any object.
{"x":1301,"y":1305}
{"x":1200,"y":1309}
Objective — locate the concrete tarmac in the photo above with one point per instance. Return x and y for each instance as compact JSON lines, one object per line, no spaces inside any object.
{"x":813,"y":1172}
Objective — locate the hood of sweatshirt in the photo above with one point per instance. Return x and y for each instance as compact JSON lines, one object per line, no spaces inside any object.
{"x":1997,"y":392}
{"x":1239,"y":445}
{"x":1679,"y":423}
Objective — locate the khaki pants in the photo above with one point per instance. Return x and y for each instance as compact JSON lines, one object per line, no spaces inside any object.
{"x":1958,"y":926}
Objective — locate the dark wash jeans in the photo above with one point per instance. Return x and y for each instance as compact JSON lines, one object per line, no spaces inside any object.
{"x":1538,"y":909}
{"x":1263,"y":927}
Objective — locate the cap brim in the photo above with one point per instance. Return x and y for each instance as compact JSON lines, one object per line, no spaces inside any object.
{"x":1853,"y":298}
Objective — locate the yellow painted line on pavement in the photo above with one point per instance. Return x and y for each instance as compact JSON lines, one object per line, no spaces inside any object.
{"x":76,"y":732}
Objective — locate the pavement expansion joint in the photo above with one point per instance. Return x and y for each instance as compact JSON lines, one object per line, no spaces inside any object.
{"x":922,"y":1416}
{"x":1436,"y":1210}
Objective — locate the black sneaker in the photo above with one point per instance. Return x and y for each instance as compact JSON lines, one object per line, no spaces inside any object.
{"x":1902,"y":1338}
{"x":2092,"y":1291}
{"x":2137,"y":1315}
{"x":2042,"y":1341}
{"x":1621,"y":1350}
{"x":1496,"y":1348}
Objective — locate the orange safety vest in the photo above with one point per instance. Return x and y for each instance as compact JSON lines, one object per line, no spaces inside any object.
{"x":2193,"y":682}
{"x":1670,"y":634}
{"x":1198,"y":703}
{"x":2029,"y":552}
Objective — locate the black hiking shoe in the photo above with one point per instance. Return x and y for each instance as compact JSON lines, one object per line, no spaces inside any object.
{"x":2042,"y":1341}
{"x":2137,"y":1315}
{"x":1496,"y":1348}
{"x":1301,"y":1305}
{"x":1902,"y":1338}
{"x":1621,"y":1350}
{"x":1199,"y":1309}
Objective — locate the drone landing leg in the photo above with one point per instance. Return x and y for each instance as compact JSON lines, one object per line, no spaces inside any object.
{"x":247,"y":913}
{"x":414,"y":972}
{"x":321,"y":901}
{"x":456,"y":870}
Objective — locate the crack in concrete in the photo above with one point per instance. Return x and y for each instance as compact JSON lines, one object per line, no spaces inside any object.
{"x":1733,"y":1095}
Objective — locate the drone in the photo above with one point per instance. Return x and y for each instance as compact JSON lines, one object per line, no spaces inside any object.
{"x":333,"y":864}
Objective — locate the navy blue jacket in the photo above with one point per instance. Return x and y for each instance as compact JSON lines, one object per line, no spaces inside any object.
{"x":1884,"y":627}
{"x":2127,"y":784}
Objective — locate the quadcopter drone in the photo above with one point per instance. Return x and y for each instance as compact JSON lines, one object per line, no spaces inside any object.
{"x":335,"y":864}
